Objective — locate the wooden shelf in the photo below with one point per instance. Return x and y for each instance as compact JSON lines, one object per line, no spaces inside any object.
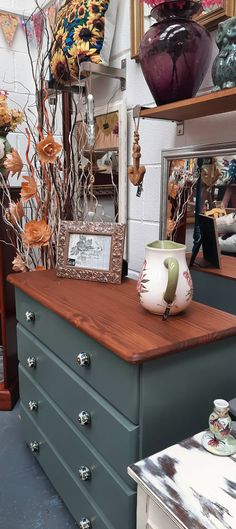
{"x":196,"y":107}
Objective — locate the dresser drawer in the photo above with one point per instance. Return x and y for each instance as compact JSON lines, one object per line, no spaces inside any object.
{"x":79,"y":504}
{"x":112,"y":377}
{"x":75,"y":450}
{"x":73,"y":396}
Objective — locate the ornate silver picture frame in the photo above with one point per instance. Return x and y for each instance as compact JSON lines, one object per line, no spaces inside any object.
{"x":91,"y":250}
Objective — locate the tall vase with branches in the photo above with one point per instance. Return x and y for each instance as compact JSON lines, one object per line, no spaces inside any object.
{"x":55,"y":184}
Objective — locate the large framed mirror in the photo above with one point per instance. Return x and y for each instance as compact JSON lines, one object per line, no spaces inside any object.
{"x":199,"y":180}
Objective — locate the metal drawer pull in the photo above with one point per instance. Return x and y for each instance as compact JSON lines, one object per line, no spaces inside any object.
{"x":31,"y":361}
{"x":34,"y":447}
{"x":33,"y":405}
{"x":29,"y":316}
{"x":84,"y":473}
{"x":83,"y":359}
{"x":84,"y":418}
{"x":85,"y":523}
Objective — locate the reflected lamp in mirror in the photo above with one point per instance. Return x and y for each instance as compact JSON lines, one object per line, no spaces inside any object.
{"x":199,"y":180}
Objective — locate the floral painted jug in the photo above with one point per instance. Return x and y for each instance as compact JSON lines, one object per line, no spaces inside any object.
{"x":165,"y":284}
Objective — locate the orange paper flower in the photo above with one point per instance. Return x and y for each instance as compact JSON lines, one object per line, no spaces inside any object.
{"x":173,"y":189}
{"x":14,"y":163}
{"x":36,"y":233}
{"x":170,"y":227}
{"x":28,"y":188}
{"x":15,"y":212}
{"x":18,"y":264}
{"x":48,"y":149}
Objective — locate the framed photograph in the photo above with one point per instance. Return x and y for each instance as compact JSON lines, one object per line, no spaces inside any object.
{"x":216,"y":12}
{"x":210,"y":244}
{"x":91,"y":250}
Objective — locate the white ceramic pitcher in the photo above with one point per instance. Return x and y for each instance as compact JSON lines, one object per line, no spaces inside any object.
{"x":165,"y":284}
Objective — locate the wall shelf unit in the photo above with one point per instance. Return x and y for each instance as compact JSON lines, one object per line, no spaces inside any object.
{"x":212,"y":287}
{"x":195,"y":107}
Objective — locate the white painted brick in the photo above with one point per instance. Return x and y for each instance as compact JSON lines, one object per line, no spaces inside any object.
{"x":23,"y":73}
{"x":140,"y":234}
{"x":147,"y":206}
{"x":7,"y":69}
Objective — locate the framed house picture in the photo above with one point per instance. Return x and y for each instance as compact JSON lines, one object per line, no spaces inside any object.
{"x":91,"y":250}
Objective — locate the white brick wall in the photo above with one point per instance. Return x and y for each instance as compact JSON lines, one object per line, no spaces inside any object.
{"x":15,"y":73}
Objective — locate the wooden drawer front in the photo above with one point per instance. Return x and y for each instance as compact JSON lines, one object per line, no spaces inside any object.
{"x":113,"y":378}
{"x":77,"y":452}
{"x":113,"y":435}
{"x":79,"y":504}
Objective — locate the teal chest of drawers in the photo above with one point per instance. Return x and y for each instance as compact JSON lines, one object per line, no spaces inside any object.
{"x":103,"y":384}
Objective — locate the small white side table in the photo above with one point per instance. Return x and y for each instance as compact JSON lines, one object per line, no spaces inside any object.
{"x":187,"y":487}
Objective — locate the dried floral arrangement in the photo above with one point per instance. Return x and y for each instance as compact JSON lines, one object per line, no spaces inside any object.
{"x":9,"y":118}
{"x":56,"y":185}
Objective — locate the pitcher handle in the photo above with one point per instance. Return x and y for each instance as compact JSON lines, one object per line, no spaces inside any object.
{"x":172,"y":266}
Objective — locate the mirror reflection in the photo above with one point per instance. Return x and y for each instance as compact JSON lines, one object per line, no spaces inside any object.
{"x":200,"y":184}
{"x":102,"y":169}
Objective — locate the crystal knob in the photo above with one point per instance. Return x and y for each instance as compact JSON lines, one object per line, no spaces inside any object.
{"x":84,"y":418}
{"x":33,"y":405}
{"x":29,"y":316}
{"x":34,"y":446}
{"x":85,"y":523}
{"x":84,"y":473}
{"x":83,"y":359}
{"x":31,"y":361}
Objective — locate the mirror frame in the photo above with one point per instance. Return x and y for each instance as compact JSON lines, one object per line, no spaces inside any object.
{"x":195,"y":151}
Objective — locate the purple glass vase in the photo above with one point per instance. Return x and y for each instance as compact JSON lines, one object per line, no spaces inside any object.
{"x":175,"y":52}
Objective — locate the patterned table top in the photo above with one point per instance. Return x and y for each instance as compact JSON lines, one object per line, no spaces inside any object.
{"x":195,"y":488}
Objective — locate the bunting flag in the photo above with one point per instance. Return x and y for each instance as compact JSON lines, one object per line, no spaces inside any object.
{"x":28,"y":27}
{"x":9,"y":24}
{"x":33,"y":26}
{"x":51,"y":12}
{"x":38,"y":21}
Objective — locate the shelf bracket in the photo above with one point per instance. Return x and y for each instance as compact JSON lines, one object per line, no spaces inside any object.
{"x":92,"y":69}
{"x":136,"y":111}
{"x":106,"y":71}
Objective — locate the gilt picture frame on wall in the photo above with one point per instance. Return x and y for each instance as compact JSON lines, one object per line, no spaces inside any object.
{"x":215,"y":12}
{"x":91,"y":251}
{"x":141,"y":20}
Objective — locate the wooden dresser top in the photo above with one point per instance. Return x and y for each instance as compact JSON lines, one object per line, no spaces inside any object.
{"x":227,"y":270}
{"x":112,"y":315}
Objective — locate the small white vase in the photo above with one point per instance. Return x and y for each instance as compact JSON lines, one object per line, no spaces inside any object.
{"x":165,"y":284}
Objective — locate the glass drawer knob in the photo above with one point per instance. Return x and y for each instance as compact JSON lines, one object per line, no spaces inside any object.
{"x":84,"y":473}
{"x":33,"y":405}
{"x":84,"y":418}
{"x":31,"y":361}
{"x":85,"y":523}
{"x":83,"y":359}
{"x":34,"y":447}
{"x":29,"y":316}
